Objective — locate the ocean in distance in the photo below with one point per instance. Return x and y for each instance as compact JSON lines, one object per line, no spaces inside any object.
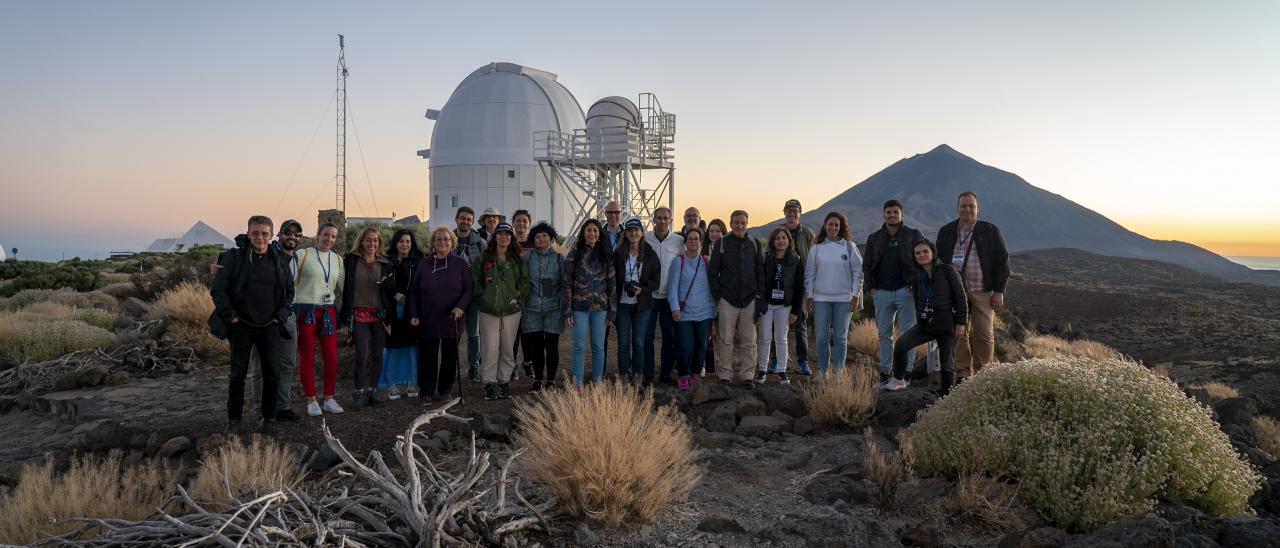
{"x":1258,"y":263}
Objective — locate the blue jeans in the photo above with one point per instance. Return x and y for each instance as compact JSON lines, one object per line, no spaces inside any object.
{"x":660,"y":315}
{"x":472,"y":317}
{"x":588,"y":324}
{"x":891,"y":304}
{"x":693,"y":343}
{"x":632,"y":327}
{"x":831,"y":321}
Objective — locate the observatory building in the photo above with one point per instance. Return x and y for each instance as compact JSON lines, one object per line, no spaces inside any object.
{"x":513,"y":137}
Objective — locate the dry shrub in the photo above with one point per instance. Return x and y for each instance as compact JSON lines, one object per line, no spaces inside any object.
{"x":1162,"y":370}
{"x":185,"y":310}
{"x":607,"y":453}
{"x":865,"y":339}
{"x":887,"y":472}
{"x":1218,"y":391}
{"x":1267,"y":431}
{"x":979,"y":499}
{"x":844,"y":397}
{"x":28,"y":337}
{"x":48,"y":310}
{"x":44,"y":503}
{"x":1048,"y":346}
{"x":245,"y":472}
{"x":119,"y":290}
{"x":1089,"y":442}
{"x":69,"y":297}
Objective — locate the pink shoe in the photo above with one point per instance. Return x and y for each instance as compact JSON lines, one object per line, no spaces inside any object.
{"x":682,"y":384}
{"x":693,"y":381}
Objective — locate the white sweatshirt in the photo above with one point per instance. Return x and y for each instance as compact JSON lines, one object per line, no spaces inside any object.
{"x":833,"y":272}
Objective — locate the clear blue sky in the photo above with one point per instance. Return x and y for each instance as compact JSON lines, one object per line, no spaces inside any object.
{"x":127,"y":121}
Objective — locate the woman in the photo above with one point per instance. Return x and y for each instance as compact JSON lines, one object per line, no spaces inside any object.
{"x":942,"y":309}
{"x":316,"y":287}
{"x":438,"y":297}
{"x":400,"y":359}
{"x":367,"y":309}
{"x":832,"y":285}
{"x":500,"y":281}
{"x":782,"y":281}
{"x":589,"y":289}
{"x":520,"y":221}
{"x":636,"y":263}
{"x":691,"y":307}
{"x":543,"y":319}
{"x":716,"y":229}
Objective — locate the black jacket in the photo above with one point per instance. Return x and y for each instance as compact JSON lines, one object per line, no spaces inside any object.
{"x":229,"y":285}
{"x":877,"y":250}
{"x":949,"y":304}
{"x":650,"y":273}
{"x":403,"y":334}
{"x":792,"y":280}
{"x":734,"y":271}
{"x":989,"y":247}
{"x":387,"y":290}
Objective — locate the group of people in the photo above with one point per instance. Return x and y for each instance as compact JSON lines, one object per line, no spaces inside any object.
{"x":720,"y":301}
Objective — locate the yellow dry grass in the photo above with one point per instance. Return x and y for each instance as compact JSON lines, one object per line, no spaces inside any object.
{"x":186,"y":309}
{"x":1048,"y":346}
{"x":843,"y":397}
{"x":245,"y":471}
{"x":1267,"y":431}
{"x":977,"y":498}
{"x":29,"y":337}
{"x":865,"y":339}
{"x":43,"y":504}
{"x":1218,"y":391}
{"x":607,"y":453}
{"x":887,"y":472}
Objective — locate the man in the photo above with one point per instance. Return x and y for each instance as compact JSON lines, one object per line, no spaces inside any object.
{"x":287,"y":243}
{"x":803,"y":237}
{"x":470,"y":246}
{"x":977,"y":250}
{"x":489,"y":222}
{"x":252,"y":295}
{"x":613,"y":225}
{"x":734,"y":274}
{"x":668,"y":245}
{"x":888,"y":268}
{"x":692,"y":218}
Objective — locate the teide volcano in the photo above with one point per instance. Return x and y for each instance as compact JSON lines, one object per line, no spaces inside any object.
{"x":1029,"y":217}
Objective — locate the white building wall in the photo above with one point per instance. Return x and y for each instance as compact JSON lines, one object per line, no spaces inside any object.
{"x":485,"y":186}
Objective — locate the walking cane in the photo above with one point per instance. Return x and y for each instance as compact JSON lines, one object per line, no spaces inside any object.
{"x":457,"y":362}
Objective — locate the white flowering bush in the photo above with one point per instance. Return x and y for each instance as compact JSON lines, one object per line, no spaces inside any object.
{"x":1088,"y":442}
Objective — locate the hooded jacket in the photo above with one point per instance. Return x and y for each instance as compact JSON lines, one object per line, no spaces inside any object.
{"x":229,"y":286}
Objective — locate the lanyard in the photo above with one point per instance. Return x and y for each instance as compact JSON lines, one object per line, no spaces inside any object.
{"x":777,"y":277}
{"x":926,"y":287}
{"x":633,"y":268}
{"x":325,"y":269}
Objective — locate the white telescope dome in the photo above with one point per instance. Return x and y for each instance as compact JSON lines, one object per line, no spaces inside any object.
{"x":613,"y":112}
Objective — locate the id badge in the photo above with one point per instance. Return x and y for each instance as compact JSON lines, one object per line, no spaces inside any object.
{"x":957,"y":259}
{"x":328,"y":299}
{"x":778,"y":295}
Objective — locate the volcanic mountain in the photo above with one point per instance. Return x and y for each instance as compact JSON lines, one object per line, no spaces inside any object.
{"x":1029,"y":217}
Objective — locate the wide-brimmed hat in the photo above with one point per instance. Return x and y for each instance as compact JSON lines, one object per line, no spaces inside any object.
{"x":492,"y":211}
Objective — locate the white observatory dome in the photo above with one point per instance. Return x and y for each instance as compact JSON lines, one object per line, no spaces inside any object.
{"x":612,"y":112}
{"x":482,"y":145}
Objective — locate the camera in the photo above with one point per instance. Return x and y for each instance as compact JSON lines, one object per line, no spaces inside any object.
{"x":631,"y":288}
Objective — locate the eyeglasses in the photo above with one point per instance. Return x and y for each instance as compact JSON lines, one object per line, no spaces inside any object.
{"x":613,"y":213}
{"x":290,"y":233}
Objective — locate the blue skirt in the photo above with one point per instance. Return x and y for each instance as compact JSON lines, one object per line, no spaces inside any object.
{"x":399,"y":367}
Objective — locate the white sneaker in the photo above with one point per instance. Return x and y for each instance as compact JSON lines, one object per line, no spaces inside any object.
{"x":331,"y":406}
{"x":413,"y":392}
{"x":393,"y":393}
{"x":893,"y":385}
{"x":313,"y":409}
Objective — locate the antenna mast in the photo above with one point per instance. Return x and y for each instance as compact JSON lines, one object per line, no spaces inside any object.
{"x":341,"y":167}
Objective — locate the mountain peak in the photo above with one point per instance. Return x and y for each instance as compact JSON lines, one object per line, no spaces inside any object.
{"x":945,"y":149}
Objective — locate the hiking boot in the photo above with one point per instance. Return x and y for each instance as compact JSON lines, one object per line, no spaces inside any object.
{"x":804,"y":369}
{"x":761,"y":376}
{"x":490,"y":392}
{"x":782,"y":379}
{"x":893,"y":385}
{"x":537,"y":386}
{"x":682,"y":384}
{"x":313,"y":409}
{"x":473,"y":374}
{"x":359,"y":399}
{"x":287,"y":415}
{"x":504,"y":391}
{"x":374,"y":400}
{"x":331,"y":406}
{"x":945,"y":382}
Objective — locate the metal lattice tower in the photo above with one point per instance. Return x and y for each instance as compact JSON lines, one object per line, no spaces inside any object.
{"x":340,"y":169}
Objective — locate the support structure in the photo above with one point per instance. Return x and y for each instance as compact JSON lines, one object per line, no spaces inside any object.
{"x":340,"y":169}
{"x":599,"y":165}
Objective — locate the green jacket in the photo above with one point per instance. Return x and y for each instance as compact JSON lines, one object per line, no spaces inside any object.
{"x":500,"y":287}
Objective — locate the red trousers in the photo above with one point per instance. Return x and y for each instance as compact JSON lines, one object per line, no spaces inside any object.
{"x":308,"y":333}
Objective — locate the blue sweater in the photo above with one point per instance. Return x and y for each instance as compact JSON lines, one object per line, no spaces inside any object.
{"x":687,"y":279}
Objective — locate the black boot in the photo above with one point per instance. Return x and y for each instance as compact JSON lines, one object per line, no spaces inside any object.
{"x":944,"y":387}
{"x":490,"y":392}
{"x":504,"y":391}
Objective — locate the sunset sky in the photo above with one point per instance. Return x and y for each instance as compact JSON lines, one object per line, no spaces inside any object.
{"x":128,"y":121}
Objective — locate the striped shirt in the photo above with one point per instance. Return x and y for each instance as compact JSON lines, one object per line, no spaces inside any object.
{"x":319,"y":278}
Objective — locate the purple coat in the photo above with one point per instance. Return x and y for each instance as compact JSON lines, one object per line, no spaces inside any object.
{"x":439,"y":286}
